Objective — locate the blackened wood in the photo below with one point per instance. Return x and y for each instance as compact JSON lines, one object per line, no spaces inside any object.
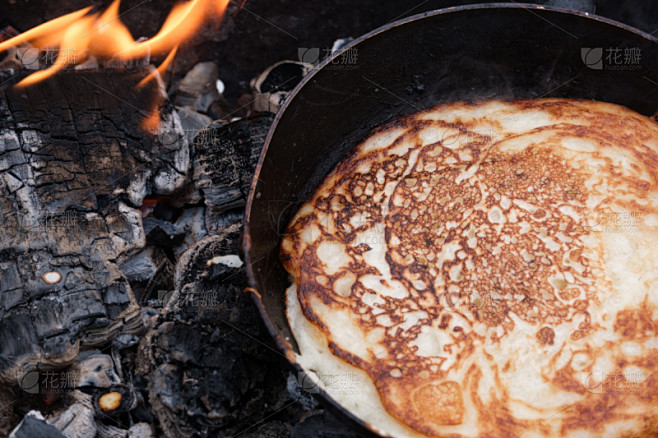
{"x":74,"y":167}
{"x":224,"y":161}
{"x":33,"y":426}
{"x":210,"y":369}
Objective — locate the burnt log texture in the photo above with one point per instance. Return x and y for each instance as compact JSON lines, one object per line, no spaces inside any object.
{"x":209,"y":368}
{"x":75,"y":166}
{"x":224,"y":162}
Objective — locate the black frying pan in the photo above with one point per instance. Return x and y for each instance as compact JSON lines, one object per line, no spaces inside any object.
{"x":481,"y":51}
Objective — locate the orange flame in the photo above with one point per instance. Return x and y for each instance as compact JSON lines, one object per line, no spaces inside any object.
{"x":81,"y":34}
{"x":47,"y":28}
{"x":161,"y":69}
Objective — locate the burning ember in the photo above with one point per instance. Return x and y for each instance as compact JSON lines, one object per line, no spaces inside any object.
{"x":110,"y":401}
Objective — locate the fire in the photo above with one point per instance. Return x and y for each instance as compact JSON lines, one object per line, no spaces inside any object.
{"x":80,"y":35}
{"x":162,"y":68}
{"x":110,"y":401}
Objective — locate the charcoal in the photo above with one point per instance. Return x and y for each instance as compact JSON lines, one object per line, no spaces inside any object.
{"x":162,"y":233}
{"x":109,"y":431}
{"x":209,"y":373}
{"x":199,"y":81}
{"x":74,"y":167}
{"x":198,"y":94}
{"x":192,"y":221}
{"x":143,"y":265}
{"x":34,"y":425}
{"x":76,"y":422}
{"x":273,"y":429}
{"x":125,"y":341}
{"x":205,"y":101}
{"x":140,"y":430}
{"x":8,"y":416}
{"x":305,"y":398}
{"x":192,"y":121}
{"x":166,"y":211}
{"x":224,"y":160}
{"x":95,"y":370}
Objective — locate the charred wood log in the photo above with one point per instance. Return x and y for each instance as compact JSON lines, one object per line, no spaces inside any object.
{"x":224,"y":161}
{"x":74,"y":167}
{"x":77,"y":421}
{"x":35,"y":426}
{"x":8,"y":416}
{"x":273,"y":429}
{"x":209,"y":368}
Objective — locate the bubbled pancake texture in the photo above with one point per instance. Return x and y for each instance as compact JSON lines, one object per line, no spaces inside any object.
{"x":493,"y":268}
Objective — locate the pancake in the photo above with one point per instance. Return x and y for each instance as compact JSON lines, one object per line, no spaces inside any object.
{"x":486,"y":269}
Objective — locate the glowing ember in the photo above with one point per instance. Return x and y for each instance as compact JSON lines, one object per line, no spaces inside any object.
{"x":81,"y":34}
{"x":52,"y":277}
{"x":110,"y":401}
{"x":151,"y":121}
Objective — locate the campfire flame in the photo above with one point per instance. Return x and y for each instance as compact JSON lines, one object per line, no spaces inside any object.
{"x":80,"y":35}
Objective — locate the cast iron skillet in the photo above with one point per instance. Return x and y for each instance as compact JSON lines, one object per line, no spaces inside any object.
{"x":499,"y":50}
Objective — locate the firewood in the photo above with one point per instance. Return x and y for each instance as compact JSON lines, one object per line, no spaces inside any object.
{"x":35,"y":426}
{"x":208,"y":372}
{"x":75,"y":166}
{"x":224,"y":160}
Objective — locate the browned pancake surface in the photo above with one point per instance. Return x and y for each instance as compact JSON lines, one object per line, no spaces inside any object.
{"x":490,"y":265}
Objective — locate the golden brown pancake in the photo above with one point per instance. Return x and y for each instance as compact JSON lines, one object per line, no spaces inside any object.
{"x":487,"y":269}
